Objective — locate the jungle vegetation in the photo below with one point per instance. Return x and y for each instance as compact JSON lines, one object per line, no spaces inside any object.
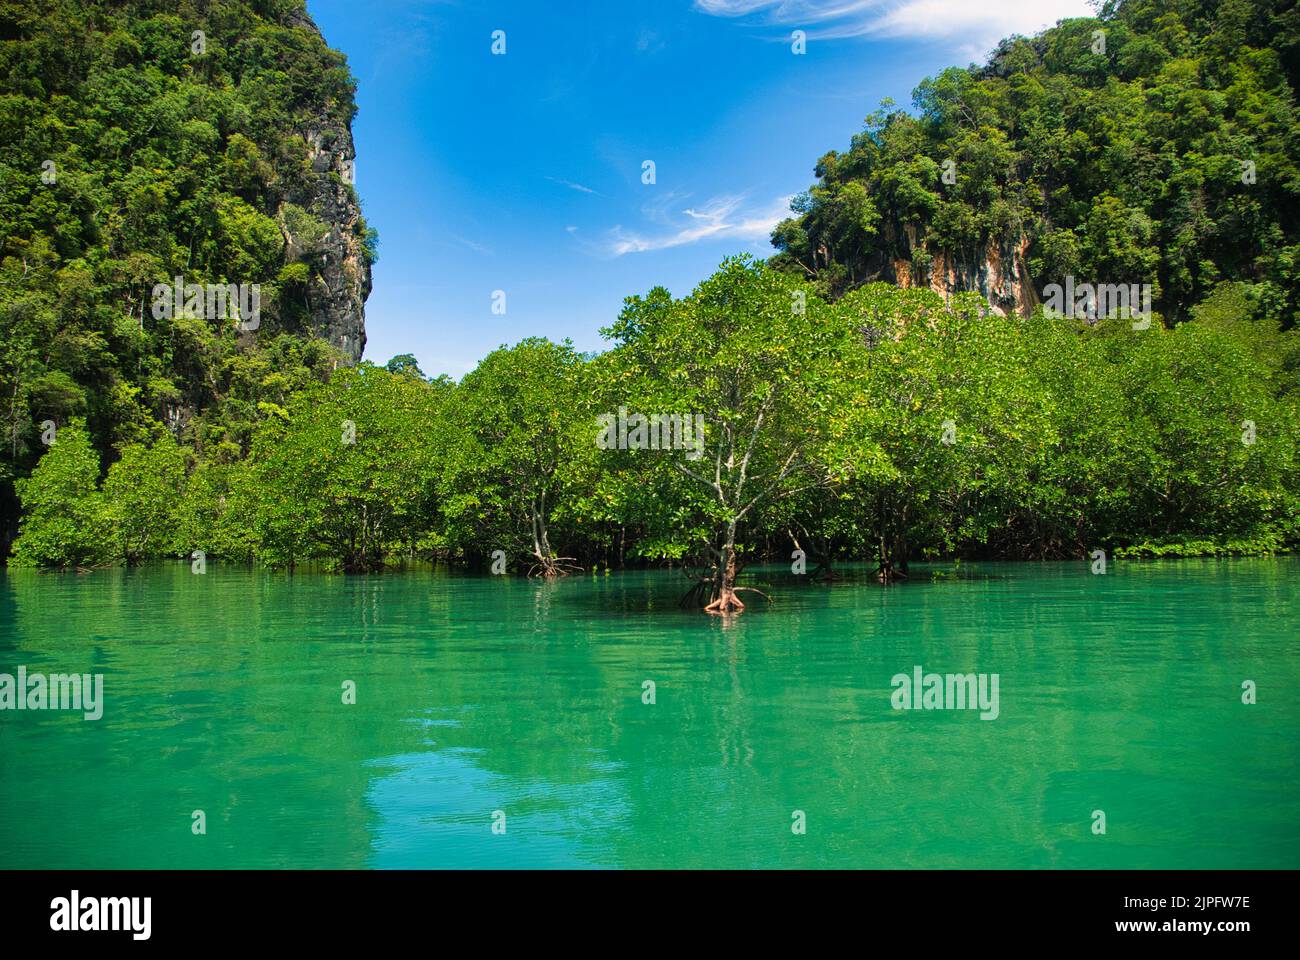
{"x":849,"y":419}
{"x":1157,"y":143}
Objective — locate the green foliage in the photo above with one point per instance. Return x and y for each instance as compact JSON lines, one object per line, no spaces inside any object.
{"x":64,"y":523}
{"x":142,"y":496}
{"x":890,"y":424}
{"x":856,"y":418}
{"x":758,"y":365}
{"x":944,"y":425}
{"x":347,"y":472}
{"x":1152,"y":432}
{"x":1123,"y":167}
{"x":405,"y":363}
{"x":216,"y":512}
{"x":126,"y":159}
{"x":519,"y":433}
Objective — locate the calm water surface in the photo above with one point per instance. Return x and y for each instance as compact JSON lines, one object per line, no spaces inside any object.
{"x":477,"y":694}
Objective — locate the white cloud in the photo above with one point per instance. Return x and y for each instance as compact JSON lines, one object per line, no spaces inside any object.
{"x":975,"y":24}
{"x":469,"y":244}
{"x":571,"y":185}
{"x":648,"y":41}
{"x":722,"y":218}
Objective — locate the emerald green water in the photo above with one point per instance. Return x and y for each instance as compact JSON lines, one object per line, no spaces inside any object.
{"x":477,"y":694}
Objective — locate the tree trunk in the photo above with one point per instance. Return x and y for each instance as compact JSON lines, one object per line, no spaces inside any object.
{"x":724,"y":599}
{"x":891,"y":544}
{"x":544,"y":567}
{"x":547,"y":565}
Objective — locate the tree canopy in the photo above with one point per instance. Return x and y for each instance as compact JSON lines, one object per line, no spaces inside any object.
{"x":140,"y":141}
{"x":789,"y":405}
{"x":1157,"y":143}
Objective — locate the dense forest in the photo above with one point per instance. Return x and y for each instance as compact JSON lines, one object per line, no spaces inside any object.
{"x":1157,"y":145}
{"x":145,"y":140}
{"x":835,"y":400}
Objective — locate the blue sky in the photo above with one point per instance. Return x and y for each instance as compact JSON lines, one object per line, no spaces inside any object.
{"x":523,"y":172}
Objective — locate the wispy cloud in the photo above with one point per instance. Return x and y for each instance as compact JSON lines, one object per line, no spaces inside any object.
{"x":971,"y":22}
{"x":471,"y":245}
{"x":648,"y":41}
{"x":571,"y":185}
{"x":725,"y":217}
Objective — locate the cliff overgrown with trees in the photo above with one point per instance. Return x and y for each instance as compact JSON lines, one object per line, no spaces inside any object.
{"x":888,"y":422}
{"x":145,"y":140}
{"x":1156,"y":145}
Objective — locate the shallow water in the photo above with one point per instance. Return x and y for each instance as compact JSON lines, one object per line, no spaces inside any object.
{"x":223,"y":693}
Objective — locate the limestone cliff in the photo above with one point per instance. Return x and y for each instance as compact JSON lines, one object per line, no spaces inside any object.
{"x":997,"y":269}
{"x":341,"y":282}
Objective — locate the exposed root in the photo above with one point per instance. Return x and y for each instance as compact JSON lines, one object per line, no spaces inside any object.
{"x":715,"y":593}
{"x":823,"y":574}
{"x":552,"y":567}
{"x":698,"y":595}
{"x":888,"y":574}
{"x":725,"y":602}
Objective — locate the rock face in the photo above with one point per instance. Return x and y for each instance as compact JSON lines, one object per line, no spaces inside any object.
{"x":337,"y":294}
{"x":340,"y":284}
{"x":997,"y":270}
